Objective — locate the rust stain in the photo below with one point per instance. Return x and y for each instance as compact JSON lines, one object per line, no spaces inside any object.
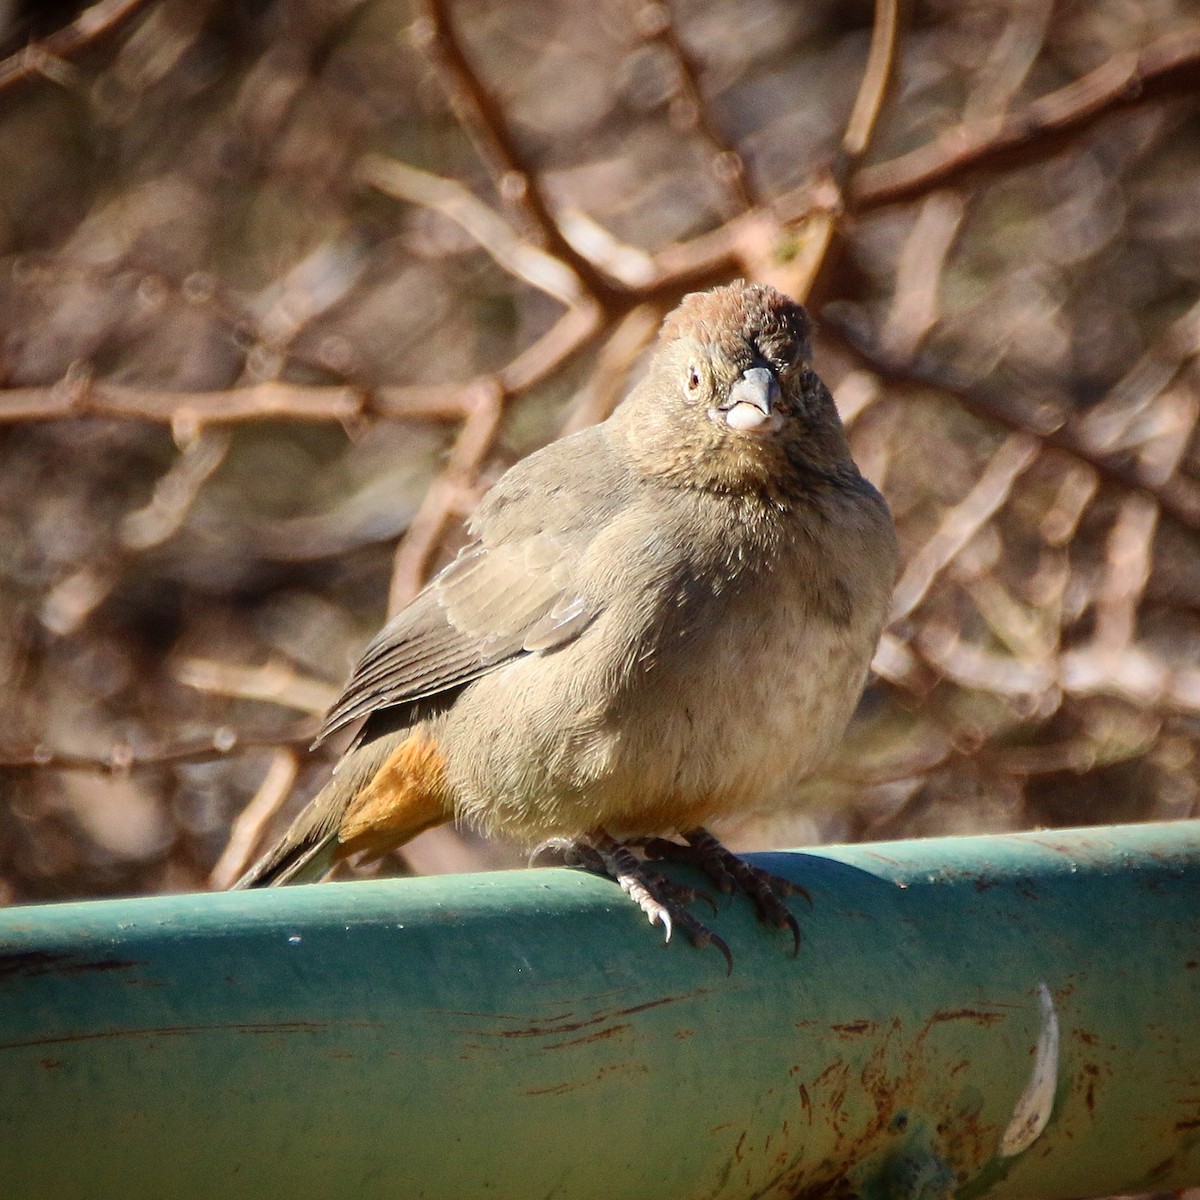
{"x":627,"y":1067}
{"x":558,"y":1089}
{"x":855,"y":1028}
{"x":552,"y":1026}
{"x":1185,"y":1126}
{"x":1088,"y":1039}
{"x":598,"y":1036}
{"x":51,"y":1064}
{"x":157,"y":1031}
{"x":1087,"y":1080}
{"x":806,"y":1103}
{"x":1191,"y":964}
{"x":829,"y":1072}
{"x":978,"y":1015}
{"x":495,"y":1016}
{"x":43,"y":962}
{"x":637,"y":1008}
{"x":538,"y":1030}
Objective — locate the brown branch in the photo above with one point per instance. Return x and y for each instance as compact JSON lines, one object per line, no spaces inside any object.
{"x":485,"y":122}
{"x":1178,"y":496}
{"x":526,"y":262}
{"x":962,"y":522}
{"x":604,"y":390}
{"x":872,"y":90}
{"x":656,"y":23}
{"x":443,"y":499}
{"x":78,"y":395}
{"x":253,"y":820}
{"x":823,"y":206}
{"x":275,"y":682}
{"x":1170,"y":66}
{"x":121,"y":756}
{"x":81,"y":396}
{"x":89,"y":27}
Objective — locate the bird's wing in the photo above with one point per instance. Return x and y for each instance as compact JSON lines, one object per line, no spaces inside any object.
{"x":514,"y":590}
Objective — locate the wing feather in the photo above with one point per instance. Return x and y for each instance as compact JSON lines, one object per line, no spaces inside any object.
{"x":513,"y":591}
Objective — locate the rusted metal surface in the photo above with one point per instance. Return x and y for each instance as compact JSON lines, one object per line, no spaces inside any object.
{"x":984,"y":1017}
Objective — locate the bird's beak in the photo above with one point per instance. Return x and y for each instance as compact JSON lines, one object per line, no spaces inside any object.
{"x":753,"y":401}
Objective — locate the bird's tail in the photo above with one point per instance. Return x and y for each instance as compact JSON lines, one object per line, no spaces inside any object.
{"x":382,"y":794}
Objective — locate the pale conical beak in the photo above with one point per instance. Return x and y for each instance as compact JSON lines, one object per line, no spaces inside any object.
{"x":753,"y":401}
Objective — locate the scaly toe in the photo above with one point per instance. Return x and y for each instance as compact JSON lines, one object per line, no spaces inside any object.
{"x":660,"y":899}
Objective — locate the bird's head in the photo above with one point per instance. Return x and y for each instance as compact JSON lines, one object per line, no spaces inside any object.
{"x":730,"y":401}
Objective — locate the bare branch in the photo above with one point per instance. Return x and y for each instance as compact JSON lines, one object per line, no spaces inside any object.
{"x":1170,"y":66}
{"x":604,"y":389}
{"x":962,"y":522}
{"x":253,"y":820}
{"x":186,"y":412}
{"x":443,"y":500}
{"x":519,"y":258}
{"x":121,"y":756}
{"x":1178,"y":496}
{"x":274,"y":682}
{"x":873,"y":89}
{"x":1130,"y":547}
{"x":689,"y":109}
{"x":822,"y":207}
{"x":485,"y":122}
{"x":913,"y":311}
{"x":89,"y":27}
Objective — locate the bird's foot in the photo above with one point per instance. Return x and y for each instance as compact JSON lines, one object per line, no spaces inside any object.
{"x":732,"y":874}
{"x":659,"y":898}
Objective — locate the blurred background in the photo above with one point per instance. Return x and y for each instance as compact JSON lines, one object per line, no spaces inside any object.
{"x":284,"y":284}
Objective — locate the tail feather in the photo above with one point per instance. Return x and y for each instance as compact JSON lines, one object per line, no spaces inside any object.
{"x":382,"y":794}
{"x":291,"y":860}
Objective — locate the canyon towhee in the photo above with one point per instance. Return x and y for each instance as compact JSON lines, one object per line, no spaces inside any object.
{"x":659,"y":621}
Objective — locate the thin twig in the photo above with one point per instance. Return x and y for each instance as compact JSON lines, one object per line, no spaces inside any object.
{"x":868,"y":103}
{"x":690,"y":110}
{"x":521,"y":259}
{"x":252,"y":821}
{"x":1170,"y":66}
{"x":275,"y":683}
{"x":605,"y":387}
{"x":416,"y":550}
{"x":89,"y":27}
{"x":1178,"y":496}
{"x":484,"y":120}
{"x":121,"y":756}
{"x":824,"y":205}
{"x":962,"y":522}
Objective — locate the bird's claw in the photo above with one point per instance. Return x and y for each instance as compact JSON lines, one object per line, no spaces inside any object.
{"x":658,"y":897}
{"x":731,"y":873}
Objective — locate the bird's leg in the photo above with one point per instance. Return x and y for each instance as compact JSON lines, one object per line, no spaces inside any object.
{"x":731,"y":873}
{"x":660,"y":899}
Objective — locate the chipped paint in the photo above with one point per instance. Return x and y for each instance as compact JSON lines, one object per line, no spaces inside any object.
{"x":1033,"y":1109}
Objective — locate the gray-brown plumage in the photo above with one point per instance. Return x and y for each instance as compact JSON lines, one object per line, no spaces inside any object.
{"x":659,"y":621}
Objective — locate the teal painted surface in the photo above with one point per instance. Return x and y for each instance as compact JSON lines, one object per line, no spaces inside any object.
{"x":526,"y":1035}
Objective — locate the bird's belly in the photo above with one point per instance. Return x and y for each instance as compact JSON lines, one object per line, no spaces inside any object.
{"x":732,"y":748}
{"x":720,"y":727}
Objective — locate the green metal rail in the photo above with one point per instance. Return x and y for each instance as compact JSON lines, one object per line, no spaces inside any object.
{"x":997,"y":1016}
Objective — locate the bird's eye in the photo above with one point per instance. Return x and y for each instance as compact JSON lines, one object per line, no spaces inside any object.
{"x":693,"y":379}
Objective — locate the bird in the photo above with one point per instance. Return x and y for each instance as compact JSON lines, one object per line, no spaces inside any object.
{"x":658,"y":622}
